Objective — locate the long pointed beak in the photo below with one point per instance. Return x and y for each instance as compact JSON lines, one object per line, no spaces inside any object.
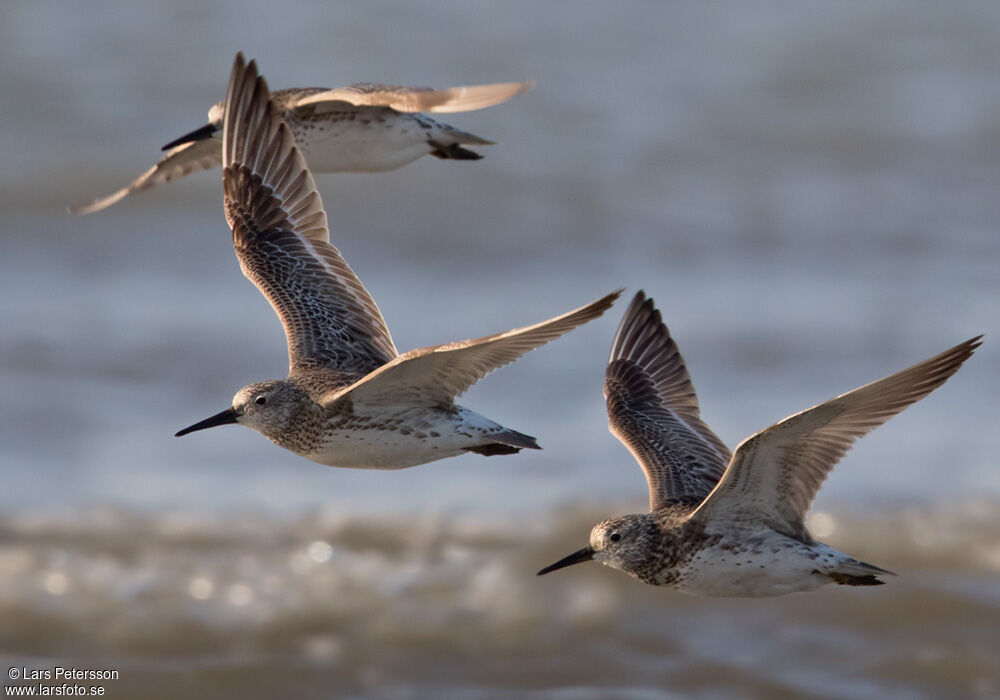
{"x":224,"y":418}
{"x":578,"y":557}
{"x":205,"y":132}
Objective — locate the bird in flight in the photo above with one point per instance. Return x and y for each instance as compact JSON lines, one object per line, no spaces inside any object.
{"x":365,"y":127}
{"x":349,"y":400}
{"x":732,"y":525}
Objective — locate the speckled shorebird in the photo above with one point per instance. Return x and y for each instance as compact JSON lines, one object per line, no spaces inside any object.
{"x":733,"y":530}
{"x":363,"y":127}
{"x":349,"y":399}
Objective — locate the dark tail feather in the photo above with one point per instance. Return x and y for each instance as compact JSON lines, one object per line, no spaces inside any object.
{"x":494,"y":449}
{"x":505,"y":442}
{"x":515,"y":439}
{"x":452,"y":152}
{"x":851,"y":580}
{"x":858,"y":573}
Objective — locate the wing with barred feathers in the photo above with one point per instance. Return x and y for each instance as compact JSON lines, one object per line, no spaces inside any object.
{"x":653,"y":410}
{"x":282,"y":241}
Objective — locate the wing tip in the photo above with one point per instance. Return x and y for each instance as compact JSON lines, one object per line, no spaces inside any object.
{"x":595,"y":309}
{"x":963,"y":351}
{"x":96,"y":205}
{"x":975,"y":343}
{"x":608,"y":300}
{"x":246,"y":91}
{"x":256,"y":137}
{"x":944,"y":365}
{"x":519,"y":87}
{"x":591,"y":311}
{"x":469,"y":98}
{"x":641,"y":334}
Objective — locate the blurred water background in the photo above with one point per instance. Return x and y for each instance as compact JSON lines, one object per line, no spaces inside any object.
{"x":808,"y":190}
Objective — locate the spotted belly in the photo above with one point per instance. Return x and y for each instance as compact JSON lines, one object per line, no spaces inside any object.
{"x":769,"y":566}
{"x":399,"y":439}
{"x":356,"y":142}
{"x":384,"y":449}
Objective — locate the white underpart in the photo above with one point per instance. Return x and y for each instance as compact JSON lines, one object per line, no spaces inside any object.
{"x":774,"y":565}
{"x":354,"y":146}
{"x":414,"y":443}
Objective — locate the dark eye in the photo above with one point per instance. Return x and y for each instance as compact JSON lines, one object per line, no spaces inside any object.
{"x":260,"y":400}
{"x":615,"y":537}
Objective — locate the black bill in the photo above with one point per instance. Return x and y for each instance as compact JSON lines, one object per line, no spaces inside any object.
{"x":585,"y":554}
{"x":205,"y":132}
{"x":224,"y":418}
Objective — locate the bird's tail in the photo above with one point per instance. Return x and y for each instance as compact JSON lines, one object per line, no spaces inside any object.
{"x":505,"y":442}
{"x":450,"y":134}
{"x":452,"y":152}
{"x":515,"y":439}
{"x":852,"y":572}
{"x":447,"y":144}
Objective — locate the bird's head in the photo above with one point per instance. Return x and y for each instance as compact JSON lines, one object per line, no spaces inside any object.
{"x":267,"y":407}
{"x":624,"y":543}
{"x":212,"y":130}
{"x":215,"y":114}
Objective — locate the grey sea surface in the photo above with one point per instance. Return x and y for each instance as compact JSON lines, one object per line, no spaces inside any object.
{"x":808,"y":190}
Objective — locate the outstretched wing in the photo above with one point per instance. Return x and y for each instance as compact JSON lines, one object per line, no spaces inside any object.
{"x":180,"y":161}
{"x":438,"y":374}
{"x":465,"y":98}
{"x":775,"y":474}
{"x":282,"y":241}
{"x":653,"y":410}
